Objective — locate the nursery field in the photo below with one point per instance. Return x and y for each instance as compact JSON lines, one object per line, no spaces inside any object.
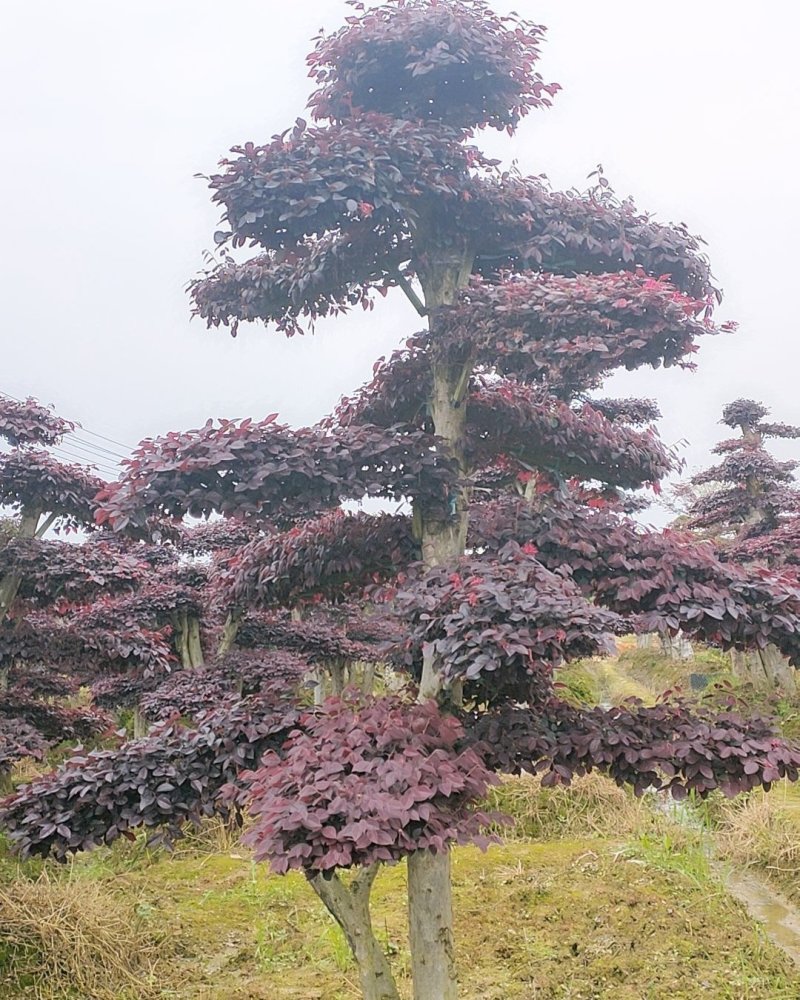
{"x":411,"y":662}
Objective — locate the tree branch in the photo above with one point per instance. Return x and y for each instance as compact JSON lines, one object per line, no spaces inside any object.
{"x":410,"y":293}
{"x":48,"y":521}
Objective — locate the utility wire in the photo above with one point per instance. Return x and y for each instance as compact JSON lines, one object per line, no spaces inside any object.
{"x":70,"y":443}
{"x":98,"y":449}
{"x":85,"y":430}
{"x":71,"y":456}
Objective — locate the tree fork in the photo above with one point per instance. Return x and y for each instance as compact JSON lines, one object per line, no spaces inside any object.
{"x":349,"y":907}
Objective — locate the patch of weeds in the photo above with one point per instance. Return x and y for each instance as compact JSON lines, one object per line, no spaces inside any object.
{"x":682,"y":853}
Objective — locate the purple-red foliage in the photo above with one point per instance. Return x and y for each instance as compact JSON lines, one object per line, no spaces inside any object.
{"x":356,"y":784}
{"x":528,"y":425}
{"x":40,"y":681}
{"x":628,"y":411}
{"x":150,"y":608}
{"x":53,"y":722}
{"x":310,"y":181}
{"x":458,"y":63}
{"x":188,"y":693}
{"x":84,"y":640}
{"x":28,"y":422}
{"x":752,"y":493}
{"x":260,"y":469}
{"x":166,"y":780}
{"x":18,"y":739}
{"x":210,"y":537}
{"x":319,"y":641}
{"x":520,"y":223}
{"x":676,"y":745}
{"x":53,"y":570}
{"x":666,"y":579}
{"x":514,"y":419}
{"x":318,"y":278}
{"x":743,"y":413}
{"x":517,"y":224}
{"x":33,"y":480}
{"x":776,"y":548}
{"x":241,"y":673}
{"x":115,"y":691}
{"x":500,"y":624}
{"x":333,"y":557}
{"x":571,"y":331}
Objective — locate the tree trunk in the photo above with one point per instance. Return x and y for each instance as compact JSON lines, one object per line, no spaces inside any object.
{"x":778,"y":670}
{"x":181,"y":638}
{"x":445,"y":265}
{"x":140,"y":725}
{"x":337,"y":676}
{"x":11,"y":582}
{"x":676,"y":647}
{"x":764,"y":668}
{"x":228,"y":635}
{"x":349,"y":907}
{"x":193,"y":642}
{"x":431,"y":927}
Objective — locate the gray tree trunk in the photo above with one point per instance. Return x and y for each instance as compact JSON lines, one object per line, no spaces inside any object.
{"x":764,"y":668}
{"x":193,"y":643}
{"x":676,"y":647}
{"x":229,"y":631}
{"x":349,"y":906}
{"x":11,"y":582}
{"x":140,"y":724}
{"x":445,"y":267}
{"x":431,"y":927}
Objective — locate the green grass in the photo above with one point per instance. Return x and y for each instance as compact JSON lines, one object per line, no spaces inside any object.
{"x":621,"y":905}
{"x":593,"y":895}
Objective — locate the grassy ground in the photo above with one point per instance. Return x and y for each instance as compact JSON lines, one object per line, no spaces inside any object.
{"x":593,"y":896}
{"x":758,"y":831}
{"x":623,"y":907}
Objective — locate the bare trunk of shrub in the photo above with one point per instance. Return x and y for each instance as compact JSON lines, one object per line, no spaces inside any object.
{"x":349,"y":906}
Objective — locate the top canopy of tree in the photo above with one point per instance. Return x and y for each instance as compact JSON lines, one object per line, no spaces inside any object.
{"x":748,"y":415}
{"x":357,"y":204}
{"x":457,"y":63}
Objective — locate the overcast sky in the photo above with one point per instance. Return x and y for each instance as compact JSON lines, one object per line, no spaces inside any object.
{"x":107,"y":110}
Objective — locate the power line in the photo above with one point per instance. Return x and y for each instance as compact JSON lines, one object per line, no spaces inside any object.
{"x":71,"y":456}
{"x":102,"y":437}
{"x":69,"y":442}
{"x":95,"y":447}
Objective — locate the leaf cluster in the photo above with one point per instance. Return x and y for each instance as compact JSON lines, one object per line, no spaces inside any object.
{"x":356,"y":784}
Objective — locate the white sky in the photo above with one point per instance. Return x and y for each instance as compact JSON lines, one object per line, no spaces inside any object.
{"x":107,"y":110}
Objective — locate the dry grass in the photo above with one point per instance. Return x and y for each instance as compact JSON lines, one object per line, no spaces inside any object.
{"x":592,"y":806}
{"x":60,"y":938}
{"x":762,"y":831}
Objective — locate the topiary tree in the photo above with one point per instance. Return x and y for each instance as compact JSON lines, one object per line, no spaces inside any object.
{"x":750,"y":504}
{"x":39,"y":491}
{"x":516,"y":554}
